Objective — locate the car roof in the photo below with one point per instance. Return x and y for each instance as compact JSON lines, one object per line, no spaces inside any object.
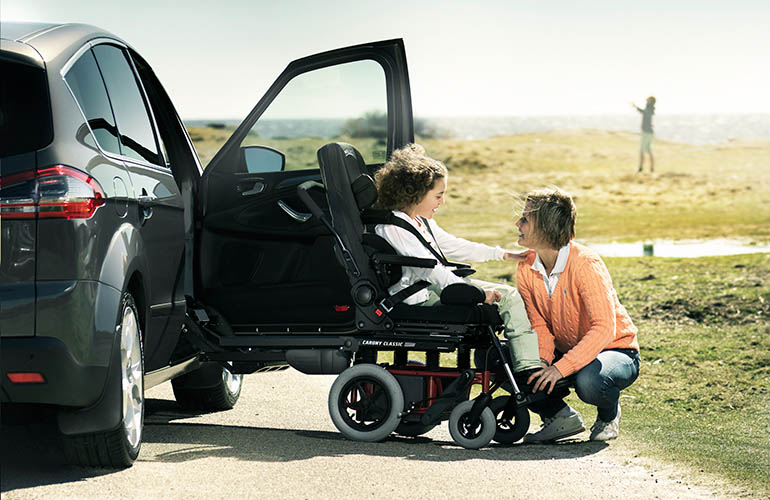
{"x":17,"y":31}
{"x":53,"y":43}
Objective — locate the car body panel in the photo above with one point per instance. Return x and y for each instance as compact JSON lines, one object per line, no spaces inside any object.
{"x":62,"y":280}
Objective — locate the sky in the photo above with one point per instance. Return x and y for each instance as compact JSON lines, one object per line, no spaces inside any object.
{"x":466,"y":57}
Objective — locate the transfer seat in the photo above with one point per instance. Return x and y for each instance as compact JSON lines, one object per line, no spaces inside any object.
{"x":371,"y":264}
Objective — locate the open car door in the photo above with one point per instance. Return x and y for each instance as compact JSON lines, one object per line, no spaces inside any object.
{"x":260,"y":258}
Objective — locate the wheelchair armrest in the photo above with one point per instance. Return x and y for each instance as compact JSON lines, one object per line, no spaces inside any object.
{"x":463,"y":272}
{"x":462,"y":294}
{"x":401,"y":260}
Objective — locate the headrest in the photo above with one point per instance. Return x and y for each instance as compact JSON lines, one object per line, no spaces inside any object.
{"x":365,"y":191}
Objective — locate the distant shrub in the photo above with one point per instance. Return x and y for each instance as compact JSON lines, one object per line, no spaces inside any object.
{"x":371,"y":124}
{"x":375,"y":124}
{"x":425,"y":130}
{"x":216,"y":125}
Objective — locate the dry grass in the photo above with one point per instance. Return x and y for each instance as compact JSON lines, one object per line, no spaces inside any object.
{"x":697,"y":192}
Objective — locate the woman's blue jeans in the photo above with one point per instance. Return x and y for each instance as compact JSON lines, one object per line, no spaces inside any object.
{"x":599,"y":383}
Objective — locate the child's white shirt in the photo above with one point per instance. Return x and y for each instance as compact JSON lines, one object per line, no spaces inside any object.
{"x":453,"y":248}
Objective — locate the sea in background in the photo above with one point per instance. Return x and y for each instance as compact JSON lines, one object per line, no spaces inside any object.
{"x":685,"y":128}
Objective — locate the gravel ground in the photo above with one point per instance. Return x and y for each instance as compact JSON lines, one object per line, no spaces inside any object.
{"x":279,"y":442}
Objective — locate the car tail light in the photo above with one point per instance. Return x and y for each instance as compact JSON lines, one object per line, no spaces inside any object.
{"x":57,"y":192}
{"x":26,"y":377}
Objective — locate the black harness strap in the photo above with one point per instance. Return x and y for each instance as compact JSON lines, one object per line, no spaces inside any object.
{"x":397,"y":221}
{"x":461,"y":270}
{"x":389,"y":302}
{"x":438,"y":247}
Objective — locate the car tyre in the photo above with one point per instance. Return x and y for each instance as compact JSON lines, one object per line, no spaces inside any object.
{"x":209,"y":388}
{"x":118,"y":447}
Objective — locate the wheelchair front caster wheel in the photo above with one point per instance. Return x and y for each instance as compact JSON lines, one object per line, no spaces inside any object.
{"x":366,"y":402}
{"x":509,"y":430}
{"x":471,"y":436}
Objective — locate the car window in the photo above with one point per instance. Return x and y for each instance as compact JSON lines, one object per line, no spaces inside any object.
{"x":136,"y":133}
{"x":87,"y":86}
{"x":25,"y":112}
{"x":346,"y":102}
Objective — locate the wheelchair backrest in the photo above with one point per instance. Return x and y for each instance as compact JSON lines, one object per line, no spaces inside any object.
{"x":349,"y":190}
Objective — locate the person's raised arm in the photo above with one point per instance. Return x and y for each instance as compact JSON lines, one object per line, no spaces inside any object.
{"x":464,"y":250}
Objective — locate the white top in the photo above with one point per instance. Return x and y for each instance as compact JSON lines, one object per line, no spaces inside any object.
{"x":558,"y":268}
{"x":407,"y":244}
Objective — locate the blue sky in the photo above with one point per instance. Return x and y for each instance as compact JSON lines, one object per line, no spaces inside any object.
{"x":474,"y":58}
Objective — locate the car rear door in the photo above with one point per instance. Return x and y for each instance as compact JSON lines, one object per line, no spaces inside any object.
{"x":156,"y":200}
{"x":260,"y":259}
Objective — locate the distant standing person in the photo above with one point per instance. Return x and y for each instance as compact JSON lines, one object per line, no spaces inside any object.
{"x":646,"y":144}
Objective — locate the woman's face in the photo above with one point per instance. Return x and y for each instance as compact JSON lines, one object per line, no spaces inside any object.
{"x":430,"y":203}
{"x":528,"y":236}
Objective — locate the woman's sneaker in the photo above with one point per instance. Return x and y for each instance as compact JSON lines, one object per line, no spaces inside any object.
{"x":604,"y":431}
{"x":567,"y":422}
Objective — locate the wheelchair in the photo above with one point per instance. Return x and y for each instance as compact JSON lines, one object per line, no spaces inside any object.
{"x":370,"y":400}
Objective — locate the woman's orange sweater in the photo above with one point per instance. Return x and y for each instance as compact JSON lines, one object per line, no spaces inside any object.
{"x":584,"y":315}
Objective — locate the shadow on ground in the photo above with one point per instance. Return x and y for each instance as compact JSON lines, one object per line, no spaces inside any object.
{"x":31,"y":455}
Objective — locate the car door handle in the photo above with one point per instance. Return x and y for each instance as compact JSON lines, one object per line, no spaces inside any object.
{"x":145,"y":202}
{"x":256,"y":188}
{"x":297,"y":216}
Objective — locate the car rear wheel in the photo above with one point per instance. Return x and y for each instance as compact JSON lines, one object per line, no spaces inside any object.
{"x":209,"y":388}
{"x":118,"y":447}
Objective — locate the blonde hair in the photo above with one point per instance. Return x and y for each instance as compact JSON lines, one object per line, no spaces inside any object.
{"x":407,"y":177}
{"x":553,"y":214}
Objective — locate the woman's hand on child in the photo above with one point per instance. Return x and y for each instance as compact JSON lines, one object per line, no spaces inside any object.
{"x":492,"y":296}
{"x":516,"y":256}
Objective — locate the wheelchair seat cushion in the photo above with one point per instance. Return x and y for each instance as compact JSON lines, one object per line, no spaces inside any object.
{"x":460,"y":294}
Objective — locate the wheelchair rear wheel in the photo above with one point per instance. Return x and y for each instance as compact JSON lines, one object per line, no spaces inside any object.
{"x":365,"y":403}
{"x":509,"y":430}
{"x":468,"y":436}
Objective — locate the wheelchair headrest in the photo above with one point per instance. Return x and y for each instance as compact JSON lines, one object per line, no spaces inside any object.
{"x":365,"y":191}
{"x":353,"y":165}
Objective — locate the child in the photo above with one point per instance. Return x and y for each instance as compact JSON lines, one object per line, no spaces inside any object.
{"x":646,"y":143}
{"x":413,"y":186}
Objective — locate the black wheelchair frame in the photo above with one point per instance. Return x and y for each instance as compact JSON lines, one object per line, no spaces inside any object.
{"x":371,"y":400}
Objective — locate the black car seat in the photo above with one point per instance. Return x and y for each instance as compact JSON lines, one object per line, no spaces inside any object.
{"x":371,"y":264}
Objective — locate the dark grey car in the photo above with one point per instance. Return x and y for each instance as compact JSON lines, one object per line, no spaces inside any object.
{"x":110,"y":227}
{"x":96,"y":172}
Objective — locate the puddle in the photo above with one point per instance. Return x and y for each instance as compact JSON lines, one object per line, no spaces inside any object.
{"x":669,"y":248}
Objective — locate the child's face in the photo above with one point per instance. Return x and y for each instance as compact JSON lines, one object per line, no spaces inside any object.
{"x":434,"y":199}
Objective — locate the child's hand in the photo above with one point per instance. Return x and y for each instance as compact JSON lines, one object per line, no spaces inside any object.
{"x":492,"y":296}
{"x":519,"y":256}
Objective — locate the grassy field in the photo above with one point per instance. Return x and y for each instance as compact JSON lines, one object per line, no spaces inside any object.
{"x":697,"y":192}
{"x":703,"y":396}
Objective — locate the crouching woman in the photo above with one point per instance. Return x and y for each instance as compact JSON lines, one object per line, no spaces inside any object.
{"x":582,"y":328}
